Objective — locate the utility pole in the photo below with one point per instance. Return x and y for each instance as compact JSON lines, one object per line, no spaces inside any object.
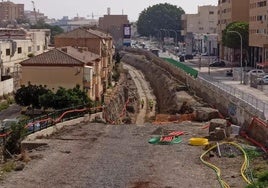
{"x":35,"y":16}
{"x":241,"y":54}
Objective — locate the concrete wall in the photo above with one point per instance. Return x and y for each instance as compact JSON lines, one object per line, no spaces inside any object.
{"x":52,"y":77}
{"x":6,"y":87}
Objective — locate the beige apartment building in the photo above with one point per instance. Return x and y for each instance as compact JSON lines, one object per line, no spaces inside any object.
{"x":258,"y":32}
{"x":230,"y":11}
{"x":199,"y":30}
{"x":205,"y":21}
{"x":64,"y":67}
{"x":96,"y":42}
{"x":11,"y":11}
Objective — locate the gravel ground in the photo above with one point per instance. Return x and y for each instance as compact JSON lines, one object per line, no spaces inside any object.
{"x":99,"y":155}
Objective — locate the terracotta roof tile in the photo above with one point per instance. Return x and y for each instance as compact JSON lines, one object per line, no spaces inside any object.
{"x":80,"y":54}
{"x":54,"y":57}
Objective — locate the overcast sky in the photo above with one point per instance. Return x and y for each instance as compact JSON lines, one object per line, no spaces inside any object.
{"x":85,"y":8}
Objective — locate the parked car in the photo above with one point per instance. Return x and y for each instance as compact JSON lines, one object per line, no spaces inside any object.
{"x":258,"y":72}
{"x":263,"y":80}
{"x":205,"y":54}
{"x":7,"y":123}
{"x":217,"y":64}
{"x":189,"y":56}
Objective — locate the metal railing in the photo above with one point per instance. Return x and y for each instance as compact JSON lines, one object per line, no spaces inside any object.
{"x":249,"y":99}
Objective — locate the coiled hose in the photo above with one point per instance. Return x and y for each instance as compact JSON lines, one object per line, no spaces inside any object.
{"x":243,"y":169}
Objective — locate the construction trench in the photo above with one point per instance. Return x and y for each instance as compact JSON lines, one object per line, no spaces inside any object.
{"x":124,"y":152}
{"x":178,"y":98}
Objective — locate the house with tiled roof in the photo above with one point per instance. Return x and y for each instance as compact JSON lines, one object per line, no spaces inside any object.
{"x":65,"y":67}
{"x":95,"y":41}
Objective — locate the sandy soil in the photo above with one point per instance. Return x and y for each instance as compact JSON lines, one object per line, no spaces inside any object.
{"x":99,"y":155}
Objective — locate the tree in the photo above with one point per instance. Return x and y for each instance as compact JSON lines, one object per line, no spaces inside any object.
{"x":13,"y":142}
{"x":40,"y":96}
{"x":29,"y":95}
{"x":160,"y":16}
{"x":232,"y":40}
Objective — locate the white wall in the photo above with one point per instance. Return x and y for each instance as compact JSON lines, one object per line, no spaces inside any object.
{"x":6,"y":87}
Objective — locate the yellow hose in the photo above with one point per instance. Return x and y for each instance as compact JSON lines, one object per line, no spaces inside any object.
{"x":218,"y":171}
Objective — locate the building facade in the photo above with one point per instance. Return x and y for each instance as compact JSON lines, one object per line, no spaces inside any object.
{"x":17,"y":44}
{"x":96,"y":42}
{"x":114,"y":24}
{"x":10,"y":11}
{"x":258,"y":32}
{"x":66,"y":67}
{"x":199,"y":30}
{"x":33,"y":16}
{"x":204,"y":22}
{"x":230,"y":11}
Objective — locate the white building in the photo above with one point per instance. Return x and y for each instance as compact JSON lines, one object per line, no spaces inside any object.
{"x":202,"y":30}
{"x":17,"y":45}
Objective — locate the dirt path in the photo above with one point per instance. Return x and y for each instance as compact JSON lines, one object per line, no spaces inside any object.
{"x":115,"y":156}
{"x":145,"y":94}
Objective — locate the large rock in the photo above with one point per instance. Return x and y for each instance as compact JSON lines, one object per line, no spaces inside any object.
{"x":206,"y":114}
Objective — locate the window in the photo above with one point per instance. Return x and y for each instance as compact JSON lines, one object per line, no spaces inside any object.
{"x":7,"y":51}
{"x":261,"y":4}
{"x":38,"y":48}
{"x":19,"y":50}
{"x":211,"y":12}
{"x":29,"y":49}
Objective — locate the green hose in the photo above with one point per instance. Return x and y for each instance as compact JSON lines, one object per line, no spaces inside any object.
{"x":244,"y":167}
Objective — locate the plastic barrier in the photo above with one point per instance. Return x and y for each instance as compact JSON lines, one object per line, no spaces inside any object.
{"x":198,"y":141}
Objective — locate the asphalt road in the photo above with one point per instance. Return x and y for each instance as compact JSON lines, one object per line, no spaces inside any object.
{"x":11,"y":112}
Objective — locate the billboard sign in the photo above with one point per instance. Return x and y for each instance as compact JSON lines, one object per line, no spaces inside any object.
{"x":127,"y":31}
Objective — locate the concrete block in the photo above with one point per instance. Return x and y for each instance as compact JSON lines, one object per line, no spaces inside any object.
{"x":215,"y":123}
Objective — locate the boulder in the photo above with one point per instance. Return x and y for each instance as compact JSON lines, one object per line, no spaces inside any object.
{"x":206,"y":114}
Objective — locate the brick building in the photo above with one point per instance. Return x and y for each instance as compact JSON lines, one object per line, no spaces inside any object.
{"x":10,"y":11}
{"x":114,"y":24}
{"x":94,"y":41}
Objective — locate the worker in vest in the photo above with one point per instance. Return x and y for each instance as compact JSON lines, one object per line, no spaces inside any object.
{"x":142,"y":103}
{"x":151,"y":104}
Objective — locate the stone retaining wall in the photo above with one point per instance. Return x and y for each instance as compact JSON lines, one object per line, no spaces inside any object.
{"x":239,"y":111}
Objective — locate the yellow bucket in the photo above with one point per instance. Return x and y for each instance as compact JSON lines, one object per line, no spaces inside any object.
{"x":198,"y":141}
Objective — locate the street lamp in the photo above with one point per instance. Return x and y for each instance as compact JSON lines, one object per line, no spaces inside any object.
{"x":159,"y":36}
{"x":163,"y":35}
{"x":176,"y":37}
{"x":241,"y":53}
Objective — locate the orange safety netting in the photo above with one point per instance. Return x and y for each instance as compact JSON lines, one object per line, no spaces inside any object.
{"x":257,"y":133}
{"x":57,"y":120}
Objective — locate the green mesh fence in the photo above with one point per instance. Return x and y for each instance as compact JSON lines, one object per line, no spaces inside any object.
{"x":187,"y":69}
